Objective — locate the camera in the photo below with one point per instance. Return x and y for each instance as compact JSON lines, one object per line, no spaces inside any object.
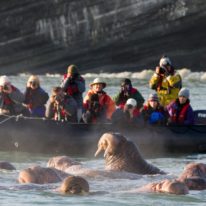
{"x":71,"y":80}
{"x":6,"y":87}
{"x":162,"y":71}
{"x":58,"y":98}
{"x":129,"y":106}
{"x":96,"y":105}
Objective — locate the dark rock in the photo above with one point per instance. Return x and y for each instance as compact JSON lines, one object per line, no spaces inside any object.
{"x":97,"y":35}
{"x":6,"y":166}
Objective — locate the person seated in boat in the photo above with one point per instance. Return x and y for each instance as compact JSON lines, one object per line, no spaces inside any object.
{"x":74,"y":85}
{"x":128,"y":91}
{"x":105,"y":102}
{"x":11,"y":98}
{"x":94,"y":112}
{"x":166,"y":81}
{"x":61,"y":107}
{"x":129,"y":114}
{"x":35,"y":97}
{"x":180,"y":111}
{"x":153,"y":112}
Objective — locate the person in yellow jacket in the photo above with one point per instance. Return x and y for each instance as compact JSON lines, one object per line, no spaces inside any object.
{"x":166,"y":81}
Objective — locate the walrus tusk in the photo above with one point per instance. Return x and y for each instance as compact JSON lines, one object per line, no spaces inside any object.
{"x":98,"y":151}
{"x":106,"y":151}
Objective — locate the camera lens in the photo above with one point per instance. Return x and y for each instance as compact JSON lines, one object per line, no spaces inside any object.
{"x":129,"y":106}
{"x":5,"y":87}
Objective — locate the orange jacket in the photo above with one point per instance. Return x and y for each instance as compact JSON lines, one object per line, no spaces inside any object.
{"x":104,"y":100}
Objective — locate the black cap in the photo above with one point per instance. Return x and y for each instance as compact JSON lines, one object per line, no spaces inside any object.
{"x":126,"y":82}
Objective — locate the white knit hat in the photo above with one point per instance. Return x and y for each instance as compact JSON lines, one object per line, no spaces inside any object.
{"x":164,"y":61}
{"x":132,"y":102}
{"x":3,"y":80}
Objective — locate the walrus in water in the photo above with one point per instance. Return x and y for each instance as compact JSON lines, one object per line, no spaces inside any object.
{"x":6,"y":166}
{"x":194,"y":176}
{"x":123,"y":155}
{"x":72,"y":167}
{"x":166,"y":186}
{"x":62,"y":163}
{"x":41,"y":175}
{"x":74,"y":185}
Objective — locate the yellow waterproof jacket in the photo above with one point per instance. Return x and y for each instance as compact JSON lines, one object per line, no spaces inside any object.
{"x":167,"y":87}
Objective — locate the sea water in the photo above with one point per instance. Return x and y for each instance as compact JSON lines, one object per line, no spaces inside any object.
{"x":105,"y":191}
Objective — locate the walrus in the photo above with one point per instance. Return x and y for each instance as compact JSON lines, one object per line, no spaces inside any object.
{"x":41,"y":175}
{"x":62,"y":163}
{"x":194,"y":176}
{"x":166,"y":186}
{"x":74,"y":185}
{"x":6,"y":166}
{"x":122,"y":155}
{"x":72,"y":167}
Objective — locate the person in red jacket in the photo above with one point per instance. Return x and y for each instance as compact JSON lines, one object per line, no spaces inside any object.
{"x":73,"y":84}
{"x":11,"y":98}
{"x":106,"y":105}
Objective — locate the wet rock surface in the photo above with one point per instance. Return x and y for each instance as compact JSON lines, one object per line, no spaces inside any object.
{"x":97,"y":35}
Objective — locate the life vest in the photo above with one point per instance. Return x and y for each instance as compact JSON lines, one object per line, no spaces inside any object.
{"x":59,"y":115}
{"x":7,"y":100}
{"x":124,"y":98}
{"x":73,"y":88}
{"x":182,"y":114}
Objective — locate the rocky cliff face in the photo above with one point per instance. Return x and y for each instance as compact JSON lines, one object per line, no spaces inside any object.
{"x":97,"y":35}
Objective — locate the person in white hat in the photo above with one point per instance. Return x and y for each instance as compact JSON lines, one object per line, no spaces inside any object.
{"x":35,"y":97}
{"x":180,"y":111}
{"x":166,"y":81}
{"x":106,"y":104}
{"x":129,"y":114}
{"x":153,"y":112}
{"x":11,"y":98}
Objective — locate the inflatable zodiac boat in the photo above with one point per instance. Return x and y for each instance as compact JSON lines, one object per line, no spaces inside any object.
{"x":39,"y":135}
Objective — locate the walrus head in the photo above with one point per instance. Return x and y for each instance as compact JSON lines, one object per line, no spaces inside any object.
{"x":194,"y":176}
{"x":109,"y":143}
{"x":61,"y":162}
{"x":194,"y":170}
{"x":170,"y":186}
{"x":74,"y":185}
{"x":195,"y":183}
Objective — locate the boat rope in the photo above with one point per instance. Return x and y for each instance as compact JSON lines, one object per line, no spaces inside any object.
{"x":7,"y":119}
